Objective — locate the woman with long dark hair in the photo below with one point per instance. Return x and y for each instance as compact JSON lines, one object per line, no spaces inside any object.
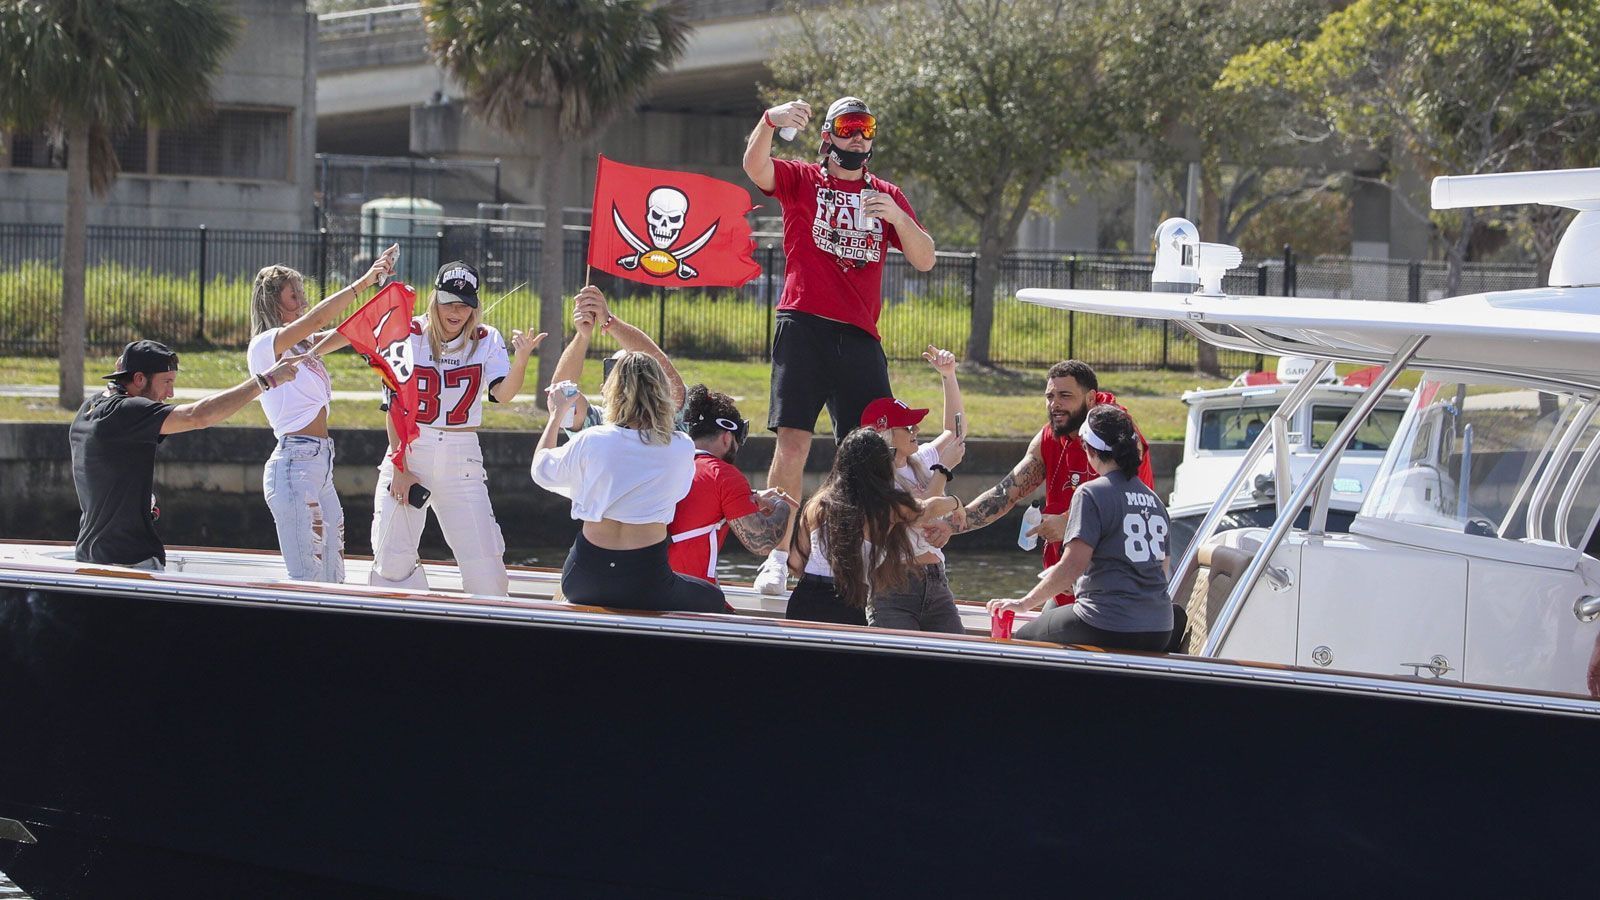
{"x":852,"y":538}
{"x":1114,"y":555}
{"x":624,"y":478}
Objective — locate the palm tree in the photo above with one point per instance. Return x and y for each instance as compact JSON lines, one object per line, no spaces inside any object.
{"x":85,"y":70}
{"x":564,"y":67}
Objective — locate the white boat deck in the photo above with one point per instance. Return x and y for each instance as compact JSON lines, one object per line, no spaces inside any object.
{"x":263,"y":568}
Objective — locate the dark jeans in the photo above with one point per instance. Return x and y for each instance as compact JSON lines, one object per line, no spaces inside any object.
{"x":815,"y":600}
{"x":1061,"y":625}
{"x":923,"y":603}
{"x":634,"y":579}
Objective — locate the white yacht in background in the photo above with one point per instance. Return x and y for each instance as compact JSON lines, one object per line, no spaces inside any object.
{"x":1224,"y":422}
{"x":1472,"y":557}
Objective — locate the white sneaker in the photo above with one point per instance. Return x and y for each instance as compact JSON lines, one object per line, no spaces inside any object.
{"x":773,"y":576}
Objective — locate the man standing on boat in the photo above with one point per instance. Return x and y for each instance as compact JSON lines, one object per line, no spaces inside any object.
{"x":1057,"y":459}
{"x":114,"y":439}
{"x":838,"y":224}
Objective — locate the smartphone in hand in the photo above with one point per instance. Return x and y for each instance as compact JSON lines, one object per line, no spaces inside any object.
{"x":418,"y":496}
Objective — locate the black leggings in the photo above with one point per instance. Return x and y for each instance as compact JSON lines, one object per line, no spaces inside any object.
{"x":634,"y":579}
{"x":815,"y":600}
{"x":1061,"y":625}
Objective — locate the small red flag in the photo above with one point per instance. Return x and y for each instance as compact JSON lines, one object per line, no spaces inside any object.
{"x":381,"y":331}
{"x":670,"y":229}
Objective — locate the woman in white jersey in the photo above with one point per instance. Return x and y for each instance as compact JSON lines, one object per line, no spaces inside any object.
{"x":298,"y":479}
{"x":924,"y":602}
{"x":456,"y":360}
{"x":852,"y":541}
{"x":624,"y":477}
{"x":1114,"y":554}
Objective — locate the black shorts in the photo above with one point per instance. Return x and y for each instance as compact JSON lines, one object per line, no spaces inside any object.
{"x":817,"y":362}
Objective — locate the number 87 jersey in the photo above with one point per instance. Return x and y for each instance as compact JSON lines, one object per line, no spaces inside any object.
{"x":450,"y":389}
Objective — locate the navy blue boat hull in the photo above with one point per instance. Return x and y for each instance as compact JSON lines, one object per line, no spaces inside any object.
{"x":191,"y":748}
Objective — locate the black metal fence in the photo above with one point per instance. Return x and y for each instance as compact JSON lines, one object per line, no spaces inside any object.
{"x":191,"y":287}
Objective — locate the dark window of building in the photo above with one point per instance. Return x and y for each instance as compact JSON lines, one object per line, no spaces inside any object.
{"x":233,"y":143}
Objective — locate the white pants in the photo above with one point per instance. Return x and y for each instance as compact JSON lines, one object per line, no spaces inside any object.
{"x":450,"y":464}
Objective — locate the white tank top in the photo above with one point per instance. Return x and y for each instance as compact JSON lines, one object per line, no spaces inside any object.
{"x":817,"y":562}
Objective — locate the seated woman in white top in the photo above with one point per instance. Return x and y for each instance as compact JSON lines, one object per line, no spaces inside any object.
{"x":853,"y":541}
{"x":298,"y":479}
{"x":625,"y":478}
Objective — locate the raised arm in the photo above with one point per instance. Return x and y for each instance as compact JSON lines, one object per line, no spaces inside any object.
{"x":570,"y":366}
{"x":758,"y":149}
{"x":523,"y":343}
{"x":322,"y":315}
{"x":951,"y":440}
{"x":630,"y":338}
{"x":998,"y":500}
{"x":208,"y":411}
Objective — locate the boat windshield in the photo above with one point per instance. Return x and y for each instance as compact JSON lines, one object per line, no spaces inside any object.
{"x":1233,"y":427}
{"x":1492,"y":460}
{"x":1374,"y":434}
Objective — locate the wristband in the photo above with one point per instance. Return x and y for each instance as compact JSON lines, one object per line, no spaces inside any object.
{"x":264,"y":383}
{"x":606,"y":328}
{"x":766,"y":116}
{"x":944,"y":470}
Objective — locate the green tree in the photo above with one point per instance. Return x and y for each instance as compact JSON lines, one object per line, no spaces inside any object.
{"x":1446,"y":87}
{"x":1168,"y":63}
{"x":85,"y":70}
{"x":988,"y":101}
{"x":560,"y":71}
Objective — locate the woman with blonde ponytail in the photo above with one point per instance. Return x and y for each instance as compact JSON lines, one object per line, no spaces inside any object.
{"x":298,"y":479}
{"x":624,"y":478}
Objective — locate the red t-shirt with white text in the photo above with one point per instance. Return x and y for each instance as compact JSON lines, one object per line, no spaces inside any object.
{"x":719,"y":494}
{"x":821,"y":231}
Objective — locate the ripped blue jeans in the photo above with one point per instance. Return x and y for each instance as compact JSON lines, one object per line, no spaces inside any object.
{"x":299,"y":487}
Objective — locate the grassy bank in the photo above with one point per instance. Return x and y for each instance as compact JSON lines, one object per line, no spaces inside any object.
{"x":998,"y":405}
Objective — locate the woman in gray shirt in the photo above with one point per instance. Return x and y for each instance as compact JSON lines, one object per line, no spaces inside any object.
{"x":1114,"y":554}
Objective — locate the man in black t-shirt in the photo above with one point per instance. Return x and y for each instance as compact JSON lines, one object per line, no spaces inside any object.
{"x":114,"y":438}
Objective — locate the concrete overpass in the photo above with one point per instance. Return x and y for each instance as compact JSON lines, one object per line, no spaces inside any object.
{"x":378,"y":93}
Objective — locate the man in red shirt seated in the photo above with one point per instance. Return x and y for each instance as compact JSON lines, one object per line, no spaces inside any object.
{"x":1056,"y":458}
{"x":720,"y":496}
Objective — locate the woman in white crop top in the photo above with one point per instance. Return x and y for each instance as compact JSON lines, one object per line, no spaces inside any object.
{"x":854,"y":527}
{"x":624,"y":478}
{"x":298,"y":478}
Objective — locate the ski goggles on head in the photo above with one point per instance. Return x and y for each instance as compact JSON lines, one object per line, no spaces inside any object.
{"x":848,"y":125}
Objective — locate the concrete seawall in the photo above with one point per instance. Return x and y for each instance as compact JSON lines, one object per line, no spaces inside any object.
{"x":208,"y":485}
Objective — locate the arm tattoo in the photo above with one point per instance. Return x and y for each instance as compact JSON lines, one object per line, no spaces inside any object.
{"x":998,"y":500}
{"x":760,"y":532}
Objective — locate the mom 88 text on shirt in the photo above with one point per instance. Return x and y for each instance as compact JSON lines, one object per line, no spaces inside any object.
{"x":1144,"y":538}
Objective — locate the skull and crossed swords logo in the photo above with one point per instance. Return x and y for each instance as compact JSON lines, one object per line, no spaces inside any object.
{"x":666,"y":210}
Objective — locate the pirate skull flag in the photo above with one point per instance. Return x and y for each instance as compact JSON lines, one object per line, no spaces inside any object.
{"x":671,"y":229}
{"x":381,"y":331}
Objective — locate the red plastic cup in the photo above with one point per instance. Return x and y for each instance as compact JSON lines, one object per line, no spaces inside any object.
{"x":1000,"y":624}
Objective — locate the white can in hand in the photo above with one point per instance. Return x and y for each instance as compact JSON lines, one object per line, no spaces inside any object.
{"x":864,"y":221}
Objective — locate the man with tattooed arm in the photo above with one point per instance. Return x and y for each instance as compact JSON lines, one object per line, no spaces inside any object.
{"x":1056,"y":458}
